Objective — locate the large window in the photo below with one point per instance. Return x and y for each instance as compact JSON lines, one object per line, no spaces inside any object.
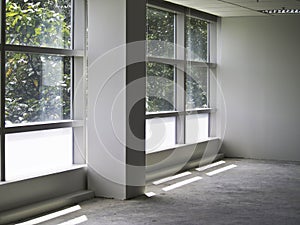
{"x":38,"y":67}
{"x":160,"y":33}
{"x":178,"y":77}
{"x":160,"y":87}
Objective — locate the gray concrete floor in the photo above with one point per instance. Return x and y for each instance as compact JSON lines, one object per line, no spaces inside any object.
{"x":254,"y":192}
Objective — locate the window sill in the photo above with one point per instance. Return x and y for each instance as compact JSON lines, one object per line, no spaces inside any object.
{"x":166,"y":148}
{"x":27,"y":127}
{"x":45,"y":173}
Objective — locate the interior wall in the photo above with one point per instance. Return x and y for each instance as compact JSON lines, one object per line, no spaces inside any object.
{"x":106,"y":97}
{"x":116,"y":98}
{"x":258,"y":71}
{"x":43,"y":188}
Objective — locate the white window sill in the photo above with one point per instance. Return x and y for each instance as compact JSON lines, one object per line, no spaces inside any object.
{"x":45,"y":173}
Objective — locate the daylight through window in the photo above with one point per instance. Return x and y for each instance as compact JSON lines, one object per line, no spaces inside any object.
{"x":178,"y":77}
{"x":37,"y":77}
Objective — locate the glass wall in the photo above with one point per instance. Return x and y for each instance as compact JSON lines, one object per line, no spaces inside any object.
{"x":177,"y":97}
{"x":37,"y":76}
{"x":160,"y":33}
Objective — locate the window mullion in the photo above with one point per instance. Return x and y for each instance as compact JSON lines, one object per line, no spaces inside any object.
{"x":79,"y":84}
{"x":212,"y":88}
{"x":180,"y":79}
{"x":2,"y":93}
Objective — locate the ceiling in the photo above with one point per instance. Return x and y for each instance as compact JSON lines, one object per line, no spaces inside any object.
{"x":229,"y":8}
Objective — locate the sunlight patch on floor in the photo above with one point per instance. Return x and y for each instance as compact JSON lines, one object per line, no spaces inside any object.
{"x":150,"y":194}
{"x":182,"y":183}
{"x":51,"y":216}
{"x":171,"y":178}
{"x":74,"y":221}
{"x":221,"y":170}
{"x":210,"y":166}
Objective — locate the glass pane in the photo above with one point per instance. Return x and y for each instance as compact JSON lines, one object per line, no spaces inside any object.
{"x":44,"y":23}
{"x":196,"y":39}
{"x":37,"y":88}
{"x":160,"y":133}
{"x":196,"y":128}
{"x":160,"y":33}
{"x":33,"y":153}
{"x":160,"y":87}
{"x":196,"y":87}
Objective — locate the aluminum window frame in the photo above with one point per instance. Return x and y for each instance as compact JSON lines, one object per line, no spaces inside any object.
{"x":76,"y":51}
{"x":180,"y":64}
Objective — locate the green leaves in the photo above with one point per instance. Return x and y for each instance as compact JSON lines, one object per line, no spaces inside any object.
{"x":37,"y":86}
{"x":160,"y":33}
{"x":160,"y":89}
{"x":11,"y":14}
{"x":41,"y":23}
{"x":196,"y":41}
{"x":160,"y":93}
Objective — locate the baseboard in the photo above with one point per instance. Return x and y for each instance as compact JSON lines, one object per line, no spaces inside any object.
{"x":40,"y":208}
{"x":172,"y":161}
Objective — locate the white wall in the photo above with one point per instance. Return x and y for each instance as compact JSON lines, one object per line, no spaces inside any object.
{"x":260,"y":76}
{"x":116,"y":90}
{"x":106,"y":80}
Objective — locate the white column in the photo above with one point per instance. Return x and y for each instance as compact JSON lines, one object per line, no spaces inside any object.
{"x":112,"y":134}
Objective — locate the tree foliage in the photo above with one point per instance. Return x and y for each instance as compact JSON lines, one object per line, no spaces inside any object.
{"x":196,"y":87}
{"x":37,"y":85}
{"x":196,"y":50}
{"x":196,"y":39}
{"x":160,"y":33}
{"x":160,"y":94}
{"x":160,"y":87}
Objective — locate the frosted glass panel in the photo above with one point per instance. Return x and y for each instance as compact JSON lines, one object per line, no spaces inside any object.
{"x":160,"y":133}
{"x":196,"y":128}
{"x":33,"y":153}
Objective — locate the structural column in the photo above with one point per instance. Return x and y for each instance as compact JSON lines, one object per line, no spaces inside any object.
{"x":116,"y":97}
{"x":135,"y":96}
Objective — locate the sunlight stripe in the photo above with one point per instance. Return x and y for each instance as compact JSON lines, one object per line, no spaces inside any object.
{"x":210,"y":166}
{"x":182,"y":183}
{"x":75,"y":221}
{"x":150,"y":194}
{"x":221,"y":170}
{"x":51,"y":216}
{"x":171,"y":178}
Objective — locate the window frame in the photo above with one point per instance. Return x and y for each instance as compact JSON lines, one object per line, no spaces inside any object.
{"x":74,"y":53}
{"x":180,"y":64}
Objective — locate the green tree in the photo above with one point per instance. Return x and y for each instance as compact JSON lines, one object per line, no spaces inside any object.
{"x":196,"y":87}
{"x":160,"y":87}
{"x":37,"y":85}
{"x":196,"y":39}
{"x":196,"y":77}
{"x":160,"y":94}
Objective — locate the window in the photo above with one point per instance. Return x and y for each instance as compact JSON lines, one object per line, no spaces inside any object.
{"x":39,"y":69}
{"x":160,"y":87}
{"x":160,"y":33}
{"x":178,"y":76}
{"x":43,"y":23}
{"x":37,"y":88}
{"x":196,"y":87}
{"x":196,"y":39}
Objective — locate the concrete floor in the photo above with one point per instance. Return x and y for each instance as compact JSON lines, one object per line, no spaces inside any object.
{"x":254,"y":192}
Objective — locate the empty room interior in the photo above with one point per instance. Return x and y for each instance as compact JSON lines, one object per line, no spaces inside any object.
{"x":150,"y":112}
